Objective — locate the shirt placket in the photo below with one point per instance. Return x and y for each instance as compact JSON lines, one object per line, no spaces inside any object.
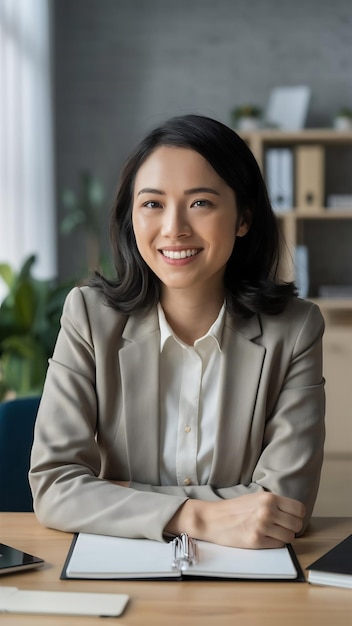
{"x":187,"y":434}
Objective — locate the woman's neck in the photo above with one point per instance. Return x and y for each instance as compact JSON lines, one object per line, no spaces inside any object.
{"x":191,"y":318}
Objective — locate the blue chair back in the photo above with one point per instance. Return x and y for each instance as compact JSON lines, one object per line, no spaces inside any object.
{"x":17,"y":419}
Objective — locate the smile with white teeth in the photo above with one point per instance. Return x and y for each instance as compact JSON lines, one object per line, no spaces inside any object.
{"x":179,"y":254}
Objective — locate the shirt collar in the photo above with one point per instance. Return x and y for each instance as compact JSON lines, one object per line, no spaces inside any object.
{"x":214,"y":331}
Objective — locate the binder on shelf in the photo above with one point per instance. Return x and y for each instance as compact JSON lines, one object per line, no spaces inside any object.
{"x":279,"y":178}
{"x":309,"y":163}
{"x":302,"y":270}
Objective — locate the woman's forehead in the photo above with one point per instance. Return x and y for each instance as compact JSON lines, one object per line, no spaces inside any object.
{"x":179,"y":165}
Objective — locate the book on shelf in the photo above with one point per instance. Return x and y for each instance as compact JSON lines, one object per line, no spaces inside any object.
{"x":301,"y":258}
{"x":279,"y":177}
{"x":339,"y":292}
{"x":104,"y":557}
{"x":339,"y":202}
{"x":309,"y":167}
{"x":334,"y":568}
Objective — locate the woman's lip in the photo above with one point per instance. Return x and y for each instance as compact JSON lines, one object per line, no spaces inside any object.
{"x":179,"y":256}
{"x":179,"y":248}
{"x":176,"y":253}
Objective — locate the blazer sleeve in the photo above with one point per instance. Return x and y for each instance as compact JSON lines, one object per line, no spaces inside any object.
{"x":293,"y":445}
{"x":68,"y":492}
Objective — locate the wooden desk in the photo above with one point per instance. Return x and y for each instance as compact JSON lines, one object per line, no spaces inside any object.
{"x":192,"y":603}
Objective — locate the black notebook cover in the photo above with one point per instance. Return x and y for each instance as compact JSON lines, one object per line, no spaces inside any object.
{"x":337,"y":561}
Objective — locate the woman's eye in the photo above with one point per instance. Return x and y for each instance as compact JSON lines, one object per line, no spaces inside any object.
{"x":202,"y":203}
{"x":151,"y":204}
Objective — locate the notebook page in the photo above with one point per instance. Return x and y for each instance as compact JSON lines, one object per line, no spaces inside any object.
{"x":98,"y":556}
{"x":224,"y":562}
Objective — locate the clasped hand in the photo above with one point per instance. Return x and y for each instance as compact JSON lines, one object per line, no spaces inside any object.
{"x":258,"y":520}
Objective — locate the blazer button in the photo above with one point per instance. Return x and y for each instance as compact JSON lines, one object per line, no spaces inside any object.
{"x":187,"y":481}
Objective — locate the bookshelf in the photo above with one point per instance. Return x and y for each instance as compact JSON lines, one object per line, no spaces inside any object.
{"x":300,"y":224}
{"x":327,"y":235}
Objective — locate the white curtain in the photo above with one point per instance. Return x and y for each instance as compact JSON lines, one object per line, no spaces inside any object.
{"x":27,"y":215}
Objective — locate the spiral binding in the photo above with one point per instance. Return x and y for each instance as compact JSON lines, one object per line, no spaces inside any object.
{"x":184,"y":551}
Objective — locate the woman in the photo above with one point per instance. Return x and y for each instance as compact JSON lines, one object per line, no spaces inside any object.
{"x":187,"y":394}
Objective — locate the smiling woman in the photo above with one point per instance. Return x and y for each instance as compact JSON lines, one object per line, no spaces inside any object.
{"x":185,"y":395}
{"x":185,"y":231}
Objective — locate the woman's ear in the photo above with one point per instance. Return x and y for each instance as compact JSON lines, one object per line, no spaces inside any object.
{"x":244,"y":224}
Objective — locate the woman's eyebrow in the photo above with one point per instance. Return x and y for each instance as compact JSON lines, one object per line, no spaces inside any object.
{"x":151,"y":190}
{"x":187,"y":192}
{"x":202,"y":190}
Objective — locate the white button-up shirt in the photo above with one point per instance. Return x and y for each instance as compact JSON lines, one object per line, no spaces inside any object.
{"x":189,"y":403}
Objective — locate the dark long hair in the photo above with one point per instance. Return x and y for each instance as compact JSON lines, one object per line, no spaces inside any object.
{"x":251,"y":276}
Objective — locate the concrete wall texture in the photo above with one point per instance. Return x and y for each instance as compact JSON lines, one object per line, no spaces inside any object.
{"x":122,"y":66}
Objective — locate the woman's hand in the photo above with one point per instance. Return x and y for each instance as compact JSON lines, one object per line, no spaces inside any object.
{"x":258,"y":520}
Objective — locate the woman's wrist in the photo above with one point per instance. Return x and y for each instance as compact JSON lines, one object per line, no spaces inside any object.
{"x":189,"y":518}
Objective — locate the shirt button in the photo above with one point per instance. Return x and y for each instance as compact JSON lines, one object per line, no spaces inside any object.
{"x":187,"y":481}
{"x":187,"y":429}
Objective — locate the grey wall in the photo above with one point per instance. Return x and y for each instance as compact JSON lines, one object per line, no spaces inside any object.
{"x":121,"y":66}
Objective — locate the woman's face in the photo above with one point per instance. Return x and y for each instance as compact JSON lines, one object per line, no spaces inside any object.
{"x":185,"y":219}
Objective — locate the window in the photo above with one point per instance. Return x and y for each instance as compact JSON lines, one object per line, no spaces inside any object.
{"x":27,"y":215}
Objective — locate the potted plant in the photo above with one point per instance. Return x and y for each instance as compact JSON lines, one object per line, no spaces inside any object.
{"x":83,"y":212}
{"x":29,"y":323}
{"x":343,"y":119}
{"x":246,"y":117}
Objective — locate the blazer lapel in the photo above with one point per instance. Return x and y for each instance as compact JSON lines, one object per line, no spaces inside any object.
{"x":240,"y":377}
{"x":139,"y":364}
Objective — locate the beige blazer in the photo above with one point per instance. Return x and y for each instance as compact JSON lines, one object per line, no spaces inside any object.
{"x":99,"y":418}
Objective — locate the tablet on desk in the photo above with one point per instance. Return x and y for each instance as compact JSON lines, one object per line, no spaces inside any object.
{"x":13,"y":560}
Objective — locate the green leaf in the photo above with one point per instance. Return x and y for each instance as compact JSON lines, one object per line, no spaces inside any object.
{"x":21,"y":345}
{"x":72,"y":221}
{"x":95,"y":193}
{"x":26,"y":269}
{"x":23,"y":365}
{"x":26,"y":300}
{"x":69,"y":199}
{"x":7,"y":274}
{"x":29,"y":324}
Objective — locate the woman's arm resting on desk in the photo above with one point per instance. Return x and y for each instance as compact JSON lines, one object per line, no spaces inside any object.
{"x":70,"y":489}
{"x":259,"y":520}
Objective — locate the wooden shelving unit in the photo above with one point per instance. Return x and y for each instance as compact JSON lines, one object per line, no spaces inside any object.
{"x":295,"y":223}
{"x":260,"y":139}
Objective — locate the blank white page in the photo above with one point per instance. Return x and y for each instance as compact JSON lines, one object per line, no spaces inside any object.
{"x":220,"y":561}
{"x":98,"y":556}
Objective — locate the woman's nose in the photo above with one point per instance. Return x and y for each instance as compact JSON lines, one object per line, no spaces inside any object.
{"x":175,"y":222}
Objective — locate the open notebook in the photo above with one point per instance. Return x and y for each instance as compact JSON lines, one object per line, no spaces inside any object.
{"x":104,"y":557}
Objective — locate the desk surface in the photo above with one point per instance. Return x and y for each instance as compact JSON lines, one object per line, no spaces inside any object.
{"x":192,"y":603}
